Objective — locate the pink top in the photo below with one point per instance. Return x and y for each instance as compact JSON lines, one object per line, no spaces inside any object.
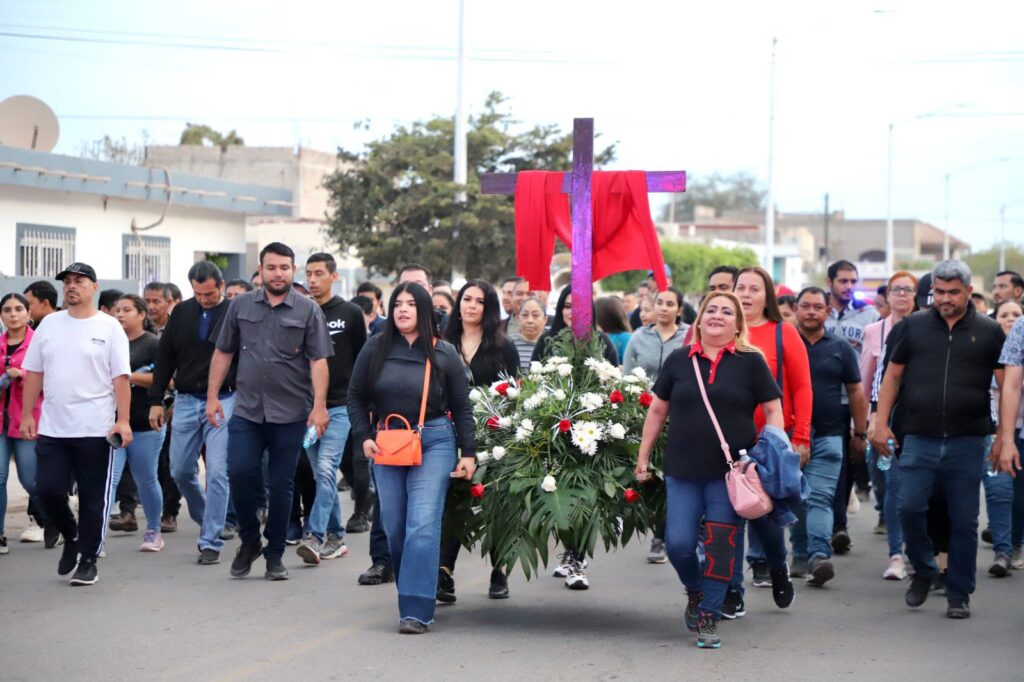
{"x":18,"y":385}
{"x":875,"y":335}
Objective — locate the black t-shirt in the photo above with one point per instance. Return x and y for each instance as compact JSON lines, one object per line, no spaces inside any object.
{"x":12,"y":348}
{"x":742,"y":382}
{"x":141,"y":352}
{"x":833,"y":365}
{"x":486,"y":368}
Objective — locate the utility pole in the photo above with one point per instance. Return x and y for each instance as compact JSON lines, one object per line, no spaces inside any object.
{"x":769,"y":217}
{"x":825,"y":249}
{"x":461,"y":170}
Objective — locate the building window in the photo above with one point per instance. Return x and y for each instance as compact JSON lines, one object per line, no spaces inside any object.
{"x":147,"y":259}
{"x":43,"y":250}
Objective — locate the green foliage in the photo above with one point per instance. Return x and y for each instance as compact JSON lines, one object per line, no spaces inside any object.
{"x":985,"y":264}
{"x":736,"y":192}
{"x":690,"y":265}
{"x":397,"y":202}
{"x":519,"y":516}
{"x":205,"y":135}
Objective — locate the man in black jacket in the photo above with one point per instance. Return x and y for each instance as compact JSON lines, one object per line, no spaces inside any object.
{"x":944,"y":358}
{"x":325,"y":534}
{"x":186,"y":346}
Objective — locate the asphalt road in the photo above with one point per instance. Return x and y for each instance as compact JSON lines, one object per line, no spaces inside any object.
{"x":161,"y":616}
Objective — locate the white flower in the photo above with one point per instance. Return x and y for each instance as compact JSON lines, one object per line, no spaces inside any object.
{"x":475,"y":395}
{"x":536,"y":367}
{"x":482,"y":456}
{"x":564,"y":370}
{"x":504,"y":422}
{"x":585,"y":435}
{"x":498,"y":452}
{"x":633,"y":390}
{"x":616,"y":431}
{"x":639,"y":373}
{"x":533,"y":402}
{"x":527,"y":424}
{"x":549,"y":484}
{"x":556,"y":360}
{"x":512,"y":392}
{"x":591,"y":401}
{"x":558,"y":395}
{"x":525,"y":430}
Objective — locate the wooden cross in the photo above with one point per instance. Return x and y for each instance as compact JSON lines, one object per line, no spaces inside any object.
{"x":577,"y":185}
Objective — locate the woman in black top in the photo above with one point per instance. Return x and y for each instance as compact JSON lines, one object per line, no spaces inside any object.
{"x":143,"y":454}
{"x":563,"y":319}
{"x":388,"y":379}
{"x":475,"y":330}
{"x":737,"y":380}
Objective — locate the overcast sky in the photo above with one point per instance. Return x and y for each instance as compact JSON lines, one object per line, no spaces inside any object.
{"x":677,"y":84}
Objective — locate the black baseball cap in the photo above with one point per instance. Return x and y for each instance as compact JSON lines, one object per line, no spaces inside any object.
{"x":77,"y":269}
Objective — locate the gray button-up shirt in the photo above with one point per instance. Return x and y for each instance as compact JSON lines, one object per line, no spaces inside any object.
{"x":275,"y":346}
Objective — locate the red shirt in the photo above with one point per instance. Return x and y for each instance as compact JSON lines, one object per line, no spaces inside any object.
{"x":797,"y":397}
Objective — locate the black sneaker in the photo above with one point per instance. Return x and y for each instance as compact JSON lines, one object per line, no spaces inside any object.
{"x":782,"y":588}
{"x":86,"y":573}
{"x":841,"y":542}
{"x":762,"y":576}
{"x":939,"y":583}
{"x":68,"y":558}
{"x":499,"y":585}
{"x":294,"y":533}
{"x":242,"y":563}
{"x":917,"y":593}
{"x":377,"y":574}
{"x":409,"y":626}
{"x":4,"y":549}
{"x":445,"y":587}
{"x":208,"y":557}
{"x":958,"y":609}
{"x":986,"y":535}
{"x":358,"y":523}
{"x":733,"y":606}
{"x":821,"y":571}
{"x":692,"y":613}
{"x":707,"y":632}
{"x":275,"y":569}
{"x":51,"y":536}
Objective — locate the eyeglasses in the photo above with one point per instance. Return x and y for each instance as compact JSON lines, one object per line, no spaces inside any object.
{"x":902,"y":290}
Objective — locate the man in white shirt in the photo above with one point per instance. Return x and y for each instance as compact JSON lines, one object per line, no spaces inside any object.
{"x":79,"y":357}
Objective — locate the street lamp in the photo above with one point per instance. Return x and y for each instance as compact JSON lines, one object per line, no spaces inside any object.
{"x":976,"y":166}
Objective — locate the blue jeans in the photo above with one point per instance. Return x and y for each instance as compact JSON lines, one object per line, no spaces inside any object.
{"x":955,"y":464}
{"x":24,"y":454}
{"x":766,"y":543}
{"x":893,"y":519}
{"x":143,"y":456}
{"x":688,"y":502}
{"x":812,"y":534}
{"x":411,"y":505}
{"x":246,"y":441}
{"x":190,"y":431}
{"x":325,"y":457}
{"x":998,"y":504}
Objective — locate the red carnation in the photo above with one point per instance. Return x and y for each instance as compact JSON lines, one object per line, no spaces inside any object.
{"x":477,"y":490}
{"x":645,"y":399}
{"x":565,"y":425}
{"x":616,"y":397}
{"x":492,"y":423}
{"x":631,"y":495}
{"x":502,"y":388}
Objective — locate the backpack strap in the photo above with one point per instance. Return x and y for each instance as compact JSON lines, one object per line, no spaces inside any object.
{"x":778,"y":354}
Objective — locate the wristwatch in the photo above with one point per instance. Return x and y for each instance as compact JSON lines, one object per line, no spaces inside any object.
{"x":863,"y":435}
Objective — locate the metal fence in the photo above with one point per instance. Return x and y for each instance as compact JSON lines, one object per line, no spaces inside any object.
{"x":147,"y":259}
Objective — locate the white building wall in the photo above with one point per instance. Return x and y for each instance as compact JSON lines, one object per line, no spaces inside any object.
{"x":101,"y":223}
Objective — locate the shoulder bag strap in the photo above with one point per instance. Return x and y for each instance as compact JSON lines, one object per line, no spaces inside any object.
{"x":426,"y":388}
{"x":711,"y":413}
{"x":778,"y":354}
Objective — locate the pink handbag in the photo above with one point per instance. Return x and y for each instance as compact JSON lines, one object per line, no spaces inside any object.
{"x":746,"y":494}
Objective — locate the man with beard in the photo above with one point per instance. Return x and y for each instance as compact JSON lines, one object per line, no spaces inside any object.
{"x":282,"y":344}
{"x":80,"y":357}
{"x":944,"y":358}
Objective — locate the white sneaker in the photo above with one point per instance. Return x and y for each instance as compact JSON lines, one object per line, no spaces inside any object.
{"x":577,"y":578}
{"x":897,"y":570}
{"x":565,"y":564}
{"x":33,"y":533}
{"x":1016,"y":560}
{"x":854,"y":505}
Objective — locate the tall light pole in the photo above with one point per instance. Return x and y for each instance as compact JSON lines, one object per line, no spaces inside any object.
{"x":461,"y":174}
{"x":945,"y":230}
{"x":769,"y":212}
{"x":890,"y":248}
{"x":1002,"y":237}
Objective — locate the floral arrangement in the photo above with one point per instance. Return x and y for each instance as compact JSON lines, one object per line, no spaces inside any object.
{"x":556,"y":451}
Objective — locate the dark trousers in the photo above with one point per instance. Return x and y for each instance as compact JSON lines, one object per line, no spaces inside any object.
{"x":356,"y":469}
{"x":379,"y":553}
{"x":127,"y":492}
{"x":90,"y":461}
{"x":246,"y":441}
{"x":844,"y":487}
{"x":304,"y":492}
{"x":172,"y":496}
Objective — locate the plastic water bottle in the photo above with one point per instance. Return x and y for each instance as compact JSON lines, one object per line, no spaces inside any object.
{"x":5,"y":381}
{"x":885,"y":463}
{"x":311,"y":437}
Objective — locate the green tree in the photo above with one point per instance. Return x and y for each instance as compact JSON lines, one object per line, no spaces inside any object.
{"x":395,"y":202}
{"x":985,"y":264}
{"x":690,"y":265}
{"x":205,"y":135}
{"x":736,"y":192}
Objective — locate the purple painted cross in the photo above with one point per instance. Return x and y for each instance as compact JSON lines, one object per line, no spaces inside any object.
{"x":577,"y":185}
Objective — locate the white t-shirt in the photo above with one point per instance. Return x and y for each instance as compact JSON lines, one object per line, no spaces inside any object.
{"x":79,"y":360}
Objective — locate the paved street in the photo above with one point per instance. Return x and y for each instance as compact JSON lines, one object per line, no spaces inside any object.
{"x":160,"y":616}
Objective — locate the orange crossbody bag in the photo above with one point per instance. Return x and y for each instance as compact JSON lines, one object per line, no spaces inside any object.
{"x":402,"y":447}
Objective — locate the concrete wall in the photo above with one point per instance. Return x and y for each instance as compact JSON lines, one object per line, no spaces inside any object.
{"x":101,"y":223}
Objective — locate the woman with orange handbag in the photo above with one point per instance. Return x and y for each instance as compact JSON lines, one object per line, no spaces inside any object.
{"x":409,"y":381}
{"x":736,"y":380}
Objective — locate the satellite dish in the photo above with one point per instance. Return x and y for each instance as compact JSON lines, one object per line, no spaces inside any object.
{"x":28,"y":123}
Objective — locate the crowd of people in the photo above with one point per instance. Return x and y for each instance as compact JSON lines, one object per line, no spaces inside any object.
{"x":275,"y":386}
